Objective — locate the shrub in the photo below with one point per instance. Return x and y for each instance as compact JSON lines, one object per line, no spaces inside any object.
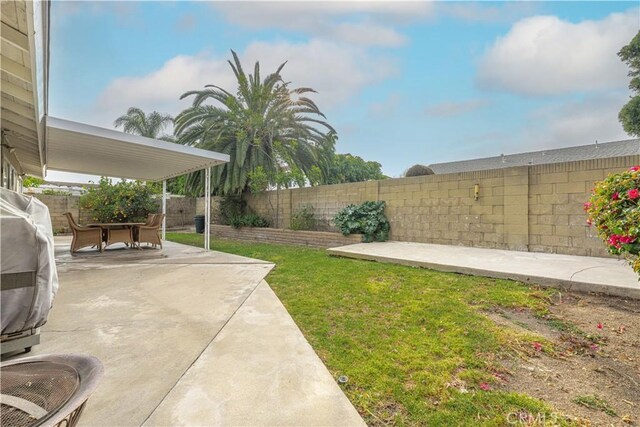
{"x":418,"y":170}
{"x":231,"y":208}
{"x":367,"y":218}
{"x":126,"y":201}
{"x":248,"y":220}
{"x":303,"y":219}
{"x":613,"y":209}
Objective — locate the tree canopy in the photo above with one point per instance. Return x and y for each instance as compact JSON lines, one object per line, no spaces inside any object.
{"x":348,"y":168}
{"x":630,"y":114}
{"x":266,"y":124}
{"x":137,"y":122}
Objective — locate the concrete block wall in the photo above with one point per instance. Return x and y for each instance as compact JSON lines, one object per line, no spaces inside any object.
{"x":180,"y":211}
{"x":530,"y":208}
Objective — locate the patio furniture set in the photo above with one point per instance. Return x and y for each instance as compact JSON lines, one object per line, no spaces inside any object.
{"x":132,"y":234}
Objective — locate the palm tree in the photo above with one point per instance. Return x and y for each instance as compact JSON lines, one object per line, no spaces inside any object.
{"x":266,"y":124}
{"x":151,"y":125}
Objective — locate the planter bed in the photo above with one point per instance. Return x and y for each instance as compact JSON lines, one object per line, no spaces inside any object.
{"x":316,"y":239}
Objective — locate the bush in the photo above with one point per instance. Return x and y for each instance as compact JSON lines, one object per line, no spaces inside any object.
{"x":248,"y":220}
{"x":51,"y":192}
{"x":418,"y":170}
{"x":232,"y":208}
{"x":613,"y":209}
{"x":303,"y":219}
{"x":126,"y":201}
{"x":368,"y":219}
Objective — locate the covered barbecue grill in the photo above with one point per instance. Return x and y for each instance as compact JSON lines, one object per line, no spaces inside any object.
{"x":29,"y":279}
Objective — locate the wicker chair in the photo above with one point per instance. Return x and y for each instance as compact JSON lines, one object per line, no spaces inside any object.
{"x":150,"y":233}
{"x":84,"y":236}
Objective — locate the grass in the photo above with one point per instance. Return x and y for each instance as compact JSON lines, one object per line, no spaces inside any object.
{"x":413,"y":342}
{"x":595,"y":403}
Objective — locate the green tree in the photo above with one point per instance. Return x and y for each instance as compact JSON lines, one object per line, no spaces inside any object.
{"x":348,"y":168}
{"x":266,"y":123}
{"x":630,"y":114}
{"x":137,"y":122}
{"x":152,"y":125}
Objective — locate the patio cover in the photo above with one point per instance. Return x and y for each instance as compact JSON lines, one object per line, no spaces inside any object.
{"x":82,"y":148}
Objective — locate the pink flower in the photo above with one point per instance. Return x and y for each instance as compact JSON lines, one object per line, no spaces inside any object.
{"x":537,"y":346}
{"x":599,"y":326}
{"x":485,"y":386}
{"x":615,"y":196}
{"x":635,"y":168}
{"x":589,"y":222}
{"x":633,"y":194}
{"x":626,"y":239}
{"x":587,"y":206}
{"x":594,"y":347}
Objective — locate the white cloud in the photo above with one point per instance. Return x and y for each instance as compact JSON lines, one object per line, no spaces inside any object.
{"x":448,"y":109}
{"x":576,"y":123}
{"x":358,"y":22}
{"x":367,"y":34}
{"x":337,"y":72}
{"x":486,"y":11}
{"x":544,"y":55}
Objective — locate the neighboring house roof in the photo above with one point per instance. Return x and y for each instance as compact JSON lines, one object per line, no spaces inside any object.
{"x":558,"y":155}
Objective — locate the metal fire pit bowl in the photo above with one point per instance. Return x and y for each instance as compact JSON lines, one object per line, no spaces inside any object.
{"x":48,"y":390}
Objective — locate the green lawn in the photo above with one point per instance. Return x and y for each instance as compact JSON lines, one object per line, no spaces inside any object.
{"x":413,"y":342}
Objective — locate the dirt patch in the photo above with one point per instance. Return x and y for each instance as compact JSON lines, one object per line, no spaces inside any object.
{"x":588,"y":363}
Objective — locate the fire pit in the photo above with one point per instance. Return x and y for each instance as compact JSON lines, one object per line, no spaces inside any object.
{"x":49,"y":390}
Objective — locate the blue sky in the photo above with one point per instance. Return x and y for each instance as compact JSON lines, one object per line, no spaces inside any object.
{"x":402,"y":83}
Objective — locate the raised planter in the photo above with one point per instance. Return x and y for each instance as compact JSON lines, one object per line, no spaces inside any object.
{"x":316,"y":239}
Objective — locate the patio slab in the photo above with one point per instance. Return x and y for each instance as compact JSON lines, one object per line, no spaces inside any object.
{"x":577,"y":273}
{"x":154,"y":316}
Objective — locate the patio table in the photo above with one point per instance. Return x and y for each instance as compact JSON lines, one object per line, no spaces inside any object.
{"x":110,"y":230}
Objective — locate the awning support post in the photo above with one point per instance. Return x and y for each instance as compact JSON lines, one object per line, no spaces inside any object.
{"x":164,"y":209}
{"x":207,"y":208}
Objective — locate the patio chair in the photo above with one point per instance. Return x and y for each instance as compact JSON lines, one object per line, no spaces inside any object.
{"x":84,"y":236}
{"x":150,"y":233}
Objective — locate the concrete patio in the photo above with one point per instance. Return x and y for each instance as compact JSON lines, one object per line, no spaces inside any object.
{"x":577,"y":273}
{"x":188,"y":337}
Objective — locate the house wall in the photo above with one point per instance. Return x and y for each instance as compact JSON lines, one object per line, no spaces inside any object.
{"x":531,"y":208}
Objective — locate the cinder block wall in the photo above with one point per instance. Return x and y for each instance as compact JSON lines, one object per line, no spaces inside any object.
{"x":180,"y":211}
{"x":531,"y":208}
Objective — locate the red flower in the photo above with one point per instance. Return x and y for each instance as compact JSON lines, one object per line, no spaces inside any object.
{"x":485,"y":386}
{"x":587,"y":206}
{"x":599,"y":326}
{"x":626,"y":239}
{"x":537,"y":346}
{"x":635,"y":168}
{"x":633,"y":194}
{"x":615,"y":196}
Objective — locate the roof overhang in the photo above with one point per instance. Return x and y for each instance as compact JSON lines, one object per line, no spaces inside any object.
{"x":81,"y":148}
{"x":24,"y":69}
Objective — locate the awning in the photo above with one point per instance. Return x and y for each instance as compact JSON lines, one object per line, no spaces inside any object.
{"x":82,"y":148}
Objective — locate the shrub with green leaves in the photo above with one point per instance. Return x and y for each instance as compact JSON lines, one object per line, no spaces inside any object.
{"x":303,"y":219}
{"x":248,"y":220}
{"x":232,"y":207}
{"x":615,"y":212}
{"x":125,"y":201}
{"x":368,"y":219}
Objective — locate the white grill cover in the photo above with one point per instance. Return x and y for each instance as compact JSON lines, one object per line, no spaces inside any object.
{"x":26,"y":245}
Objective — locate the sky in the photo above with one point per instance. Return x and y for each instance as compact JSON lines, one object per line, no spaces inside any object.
{"x":402,"y":82}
